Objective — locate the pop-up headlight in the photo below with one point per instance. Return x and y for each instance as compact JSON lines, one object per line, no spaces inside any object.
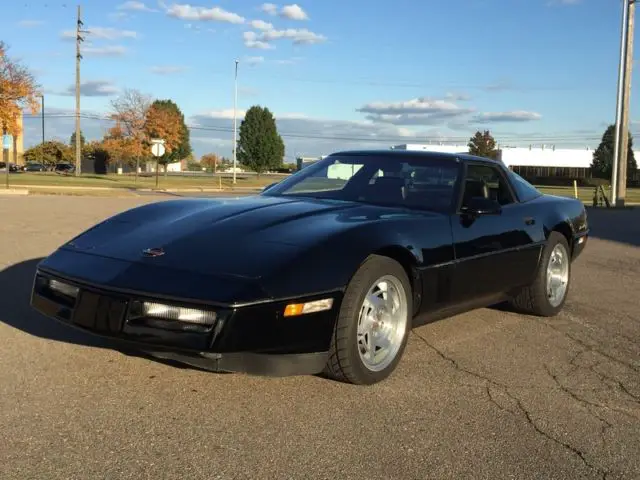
{"x":161,"y":311}
{"x":63,"y":288}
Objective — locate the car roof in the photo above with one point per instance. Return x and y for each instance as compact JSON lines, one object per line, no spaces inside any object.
{"x":415,"y":153}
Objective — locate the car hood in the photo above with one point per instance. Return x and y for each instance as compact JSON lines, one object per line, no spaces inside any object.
{"x":244,"y":237}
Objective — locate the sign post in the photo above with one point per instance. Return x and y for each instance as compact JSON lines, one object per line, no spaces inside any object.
{"x":7,"y":141}
{"x":157,"y":149}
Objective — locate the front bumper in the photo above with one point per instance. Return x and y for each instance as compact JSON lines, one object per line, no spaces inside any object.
{"x":254,"y":339}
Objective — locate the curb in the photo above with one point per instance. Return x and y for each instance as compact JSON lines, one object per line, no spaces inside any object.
{"x":12,"y":192}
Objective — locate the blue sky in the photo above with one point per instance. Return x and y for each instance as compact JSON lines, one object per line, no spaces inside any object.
{"x":336,"y":73}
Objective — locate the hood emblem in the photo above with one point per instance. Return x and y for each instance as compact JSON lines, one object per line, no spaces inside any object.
{"x":153,"y":252}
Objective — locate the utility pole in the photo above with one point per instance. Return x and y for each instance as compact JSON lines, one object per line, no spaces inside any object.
{"x":235,"y":106}
{"x":79,"y":39}
{"x":621,"y":143}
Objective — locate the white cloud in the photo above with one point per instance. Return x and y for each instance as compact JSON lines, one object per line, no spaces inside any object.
{"x":297,"y":36}
{"x":136,"y":6}
{"x":215,"y":14}
{"x":105,"y":33}
{"x":293,"y":12}
{"x":252,"y":61}
{"x":261,"y":25}
{"x":269,"y":8}
{"x":564,"y":2}
{"x":167,"y":69}
{"x":513,"y":116}
{"x":417,"y":111}
{"x":106,"y":51}
{"x":289,"y":61}
{"x":251,"y":41}
{"x":457,"y":97}
{"x":30,"y":23}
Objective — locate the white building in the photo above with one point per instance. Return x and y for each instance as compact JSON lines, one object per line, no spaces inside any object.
{"x":542,"y":156}
{"x":534,"y":163}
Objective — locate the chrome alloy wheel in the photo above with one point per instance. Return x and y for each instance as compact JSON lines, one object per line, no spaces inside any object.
{"x":557,"y":275}
{"x":382,"y":323}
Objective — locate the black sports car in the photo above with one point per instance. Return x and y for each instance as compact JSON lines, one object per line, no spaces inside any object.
{"x":325,"y":271}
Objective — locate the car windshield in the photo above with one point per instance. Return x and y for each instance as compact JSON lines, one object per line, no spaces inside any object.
{"x":426,"y":182}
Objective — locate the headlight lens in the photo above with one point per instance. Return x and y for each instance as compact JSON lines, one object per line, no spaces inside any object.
{"x":171,"y":312}
{"x":63,"y":288}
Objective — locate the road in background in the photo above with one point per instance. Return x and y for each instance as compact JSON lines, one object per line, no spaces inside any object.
{"x":488,"y":394}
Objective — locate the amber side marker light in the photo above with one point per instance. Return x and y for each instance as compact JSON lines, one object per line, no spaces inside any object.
{"x":295,"y":309}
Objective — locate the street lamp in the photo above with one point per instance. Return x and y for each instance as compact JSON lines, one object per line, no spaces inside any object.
{"x":42,"y":115}
{"x":235,"y":106}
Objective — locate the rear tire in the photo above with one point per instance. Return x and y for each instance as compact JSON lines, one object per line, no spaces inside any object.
{"x":373,"y":324}
{"x":546,"y":296}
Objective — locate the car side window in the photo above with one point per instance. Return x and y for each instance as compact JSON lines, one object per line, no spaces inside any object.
{"x":486,"y":181}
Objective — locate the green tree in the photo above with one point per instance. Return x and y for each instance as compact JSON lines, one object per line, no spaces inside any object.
{"x":483,"y":144}
{"x":72,"y":141}
{"x":260,"y":147}
{"x":602,"y":163}
{"x":49,"y":153}
{"x":183,"y":149}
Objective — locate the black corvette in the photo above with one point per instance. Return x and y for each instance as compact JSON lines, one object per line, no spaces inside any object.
{"x":325,"y":271}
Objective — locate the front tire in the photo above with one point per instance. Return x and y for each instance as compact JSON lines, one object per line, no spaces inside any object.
{"x":373,"y":323}
{"x":546,"y":296}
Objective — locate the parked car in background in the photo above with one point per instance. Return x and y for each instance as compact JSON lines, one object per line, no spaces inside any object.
{"x":326,"y":271}
{"x":12,"y":167}
{"x":35,"y":167}
{"x":64,"y":168}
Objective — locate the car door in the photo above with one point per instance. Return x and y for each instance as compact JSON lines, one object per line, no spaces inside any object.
{"x":496,"y":251}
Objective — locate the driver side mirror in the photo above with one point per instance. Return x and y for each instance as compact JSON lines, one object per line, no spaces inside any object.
{"x":482,"y":206}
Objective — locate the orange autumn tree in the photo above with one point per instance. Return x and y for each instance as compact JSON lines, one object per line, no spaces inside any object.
{"x":210,"y":160}
{"x":121,"y":147}
{"x":164,"y":123}
{"x":18,"y":90}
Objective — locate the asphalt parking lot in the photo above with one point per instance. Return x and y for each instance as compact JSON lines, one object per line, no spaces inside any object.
{"x":488,"y":394}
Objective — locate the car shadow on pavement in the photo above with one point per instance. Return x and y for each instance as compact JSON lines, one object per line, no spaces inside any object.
{"x":617,"y":225}
{"x":16,"y":311}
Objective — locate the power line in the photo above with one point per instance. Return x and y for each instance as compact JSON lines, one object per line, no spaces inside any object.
{"x":388,"y":138}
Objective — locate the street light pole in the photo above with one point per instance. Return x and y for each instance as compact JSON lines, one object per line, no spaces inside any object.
{"x":42,"y":96}
{"x":235,"y":106}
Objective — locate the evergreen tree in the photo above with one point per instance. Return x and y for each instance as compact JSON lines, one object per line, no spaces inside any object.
{"x":260,"y":147}
{"x":72,"y":141}
{"x":483,"y":144}
{"x":602,"y":163}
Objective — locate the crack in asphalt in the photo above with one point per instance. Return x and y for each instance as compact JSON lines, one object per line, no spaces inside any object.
{"x":592,"y":348}
{"x":505,"y":388}
{"x":586,"y":403}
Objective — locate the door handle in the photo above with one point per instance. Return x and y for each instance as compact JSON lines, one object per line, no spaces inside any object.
{"x":529,"y":220}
